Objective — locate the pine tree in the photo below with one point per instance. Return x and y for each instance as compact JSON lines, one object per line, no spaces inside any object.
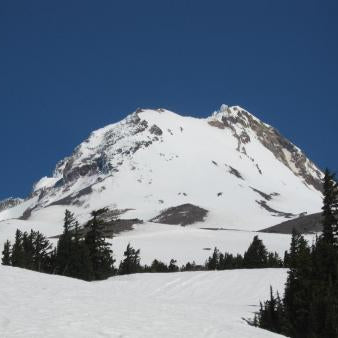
{"x":41,"y":252}
{"x":18,"y":258}
{"x":172,"y":266}
{"x":256,"y":256}
{"x":297,"y":293}
{"x":80,"y":264}
{"x":271,"y":314}
{"x":64,"y":254}
{"x":191,"y":267}
{"x":28,"y":249}
{"x":6,"y":254}
{"x":100,"y":252}
{"x":213,"y":261}
{"x":131,"y":261}
{"x":330,"y":208}
{"x":158,"y":266}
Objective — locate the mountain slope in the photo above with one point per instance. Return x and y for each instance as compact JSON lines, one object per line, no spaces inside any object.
{"x":237,"y":168}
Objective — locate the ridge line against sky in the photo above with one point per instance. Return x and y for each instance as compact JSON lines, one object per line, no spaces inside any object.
{"x":70,"y":67}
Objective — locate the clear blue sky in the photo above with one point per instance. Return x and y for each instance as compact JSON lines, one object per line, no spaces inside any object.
{"x":69,"y":67}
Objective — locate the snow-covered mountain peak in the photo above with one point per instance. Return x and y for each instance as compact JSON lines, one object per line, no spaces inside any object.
{"x":245,"y":127}
{"x":156,"y":159}
{"x":236,"y":115}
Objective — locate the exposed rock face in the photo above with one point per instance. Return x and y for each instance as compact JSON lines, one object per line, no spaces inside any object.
{"x":107,"y":156}
{"x":10,"y":203}
{"x":275,"y":212}
{"x":73,"y":199}
{"x":156,"y":130}
{"x":303,"y":224}
{"x":240,"y":122}
{"x":184,"y":214}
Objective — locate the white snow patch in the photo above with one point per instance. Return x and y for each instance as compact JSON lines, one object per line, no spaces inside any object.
{"x":189,"y":304}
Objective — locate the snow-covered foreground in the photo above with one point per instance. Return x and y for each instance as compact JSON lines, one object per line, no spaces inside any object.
{"x":189,"y":304}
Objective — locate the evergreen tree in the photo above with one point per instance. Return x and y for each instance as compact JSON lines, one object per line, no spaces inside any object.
{"x":256,"y":256}
{"x":286,"y":260}
{"x":99,"y":250}
{"x":158,"y":266}
{"x":213,"y":261}
{"x":18,"y":258}
{"x":192,"y":267}
{"x":172,"y":266}
{"x":297,"y":293}
{"x":64,"y":254}
{"x":28,"y":249}
{"x":274,"y":261}
{"x":330,"y":208}
{"x":41,"y":252}
{"x":131,"y":261}
{"x":80,"y":264}
{"x":6,"y":254}
{"x":271,"y":314}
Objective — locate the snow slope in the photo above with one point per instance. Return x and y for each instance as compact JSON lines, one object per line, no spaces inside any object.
{"x":186,"y":244}
{"x":190,"y":304}
{"x":238,"y":168}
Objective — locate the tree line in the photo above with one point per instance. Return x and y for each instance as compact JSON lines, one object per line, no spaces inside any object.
{"x":309,"y":307}
{"x":86,"y":257}
{"x":90,"y":257}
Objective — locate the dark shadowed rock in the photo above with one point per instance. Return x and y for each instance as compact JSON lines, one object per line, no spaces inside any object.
{"x":183,"y":214}
{"x":304,"y":224}
{"x":10,"y":203}
{"x":155,"y":130}
{"x":73,"y":198}
{"x":266,"y":196}
{"x":235,"y":172}
{"x":275,"y":212}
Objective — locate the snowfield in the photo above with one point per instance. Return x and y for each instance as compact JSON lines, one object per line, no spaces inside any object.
{"x":186,"y":244}
{"x":186,"y":304}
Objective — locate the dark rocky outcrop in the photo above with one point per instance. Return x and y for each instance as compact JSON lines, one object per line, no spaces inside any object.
{"x":266,"y":196}
{"x":217,"y":124}
{"x":10,"y":203}
{"x":275,"y":212}
{"x":73,"y":198}
{"x":72,"y":173}
{"x":303,"y":224}
{"x":235,"y":172}
{"x":183,"y":214}
{"x":154,"y":129}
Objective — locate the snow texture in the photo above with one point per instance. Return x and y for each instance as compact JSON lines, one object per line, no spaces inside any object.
{"x":190,"y":304}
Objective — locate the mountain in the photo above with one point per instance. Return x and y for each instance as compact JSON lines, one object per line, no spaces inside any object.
{"x":228,"y":170}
